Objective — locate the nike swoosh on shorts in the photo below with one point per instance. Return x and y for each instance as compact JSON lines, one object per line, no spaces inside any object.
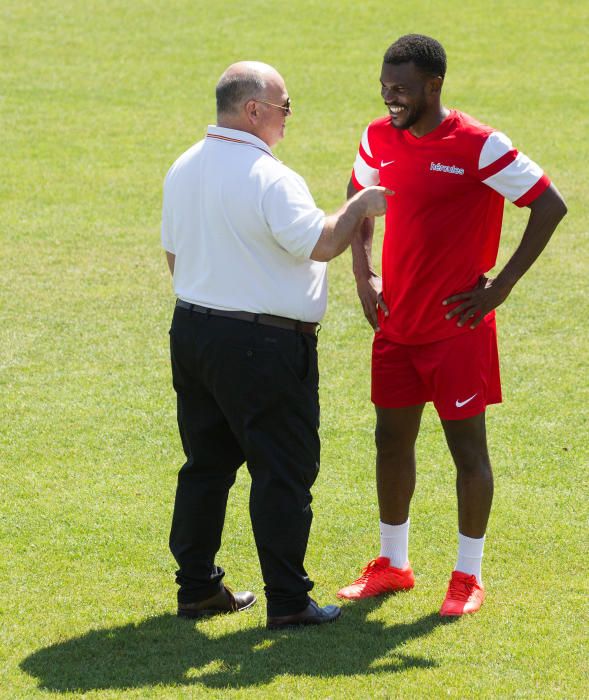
{"x":460,"y":404}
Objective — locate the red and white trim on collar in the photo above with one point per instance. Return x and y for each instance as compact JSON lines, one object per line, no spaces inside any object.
{"x":228,"y":139}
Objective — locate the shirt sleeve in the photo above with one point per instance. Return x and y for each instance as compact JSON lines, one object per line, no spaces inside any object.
{"x":365,"y":171}
{"x":166,"y":230}
{"x":292,"y":216}
{"x":509,"y":172}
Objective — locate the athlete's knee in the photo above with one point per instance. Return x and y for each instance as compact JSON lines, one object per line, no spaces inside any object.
{"x":391,"y":442}
{"x":472,"y":462}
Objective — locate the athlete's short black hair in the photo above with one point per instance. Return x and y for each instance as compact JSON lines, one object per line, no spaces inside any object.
{"x":427,"y":53}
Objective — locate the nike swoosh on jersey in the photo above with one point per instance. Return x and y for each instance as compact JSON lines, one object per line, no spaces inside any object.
{"x":460,"y":404}
{"x":383,"y":164}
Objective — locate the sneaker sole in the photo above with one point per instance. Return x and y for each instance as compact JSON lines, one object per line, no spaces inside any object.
{"x":450,"y":614}
{"x":376,"y":595}
{"x":460,"y":614}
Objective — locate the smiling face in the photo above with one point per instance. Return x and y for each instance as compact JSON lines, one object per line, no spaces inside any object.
{"x":412,"y":98}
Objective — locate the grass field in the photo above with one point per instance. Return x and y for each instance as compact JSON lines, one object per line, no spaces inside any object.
{"x":96,"y":101}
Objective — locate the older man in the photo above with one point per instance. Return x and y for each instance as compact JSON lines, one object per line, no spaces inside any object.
{"x":248,"y":248}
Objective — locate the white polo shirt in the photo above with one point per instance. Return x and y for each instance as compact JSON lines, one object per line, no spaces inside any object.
{"x":242,"y":226}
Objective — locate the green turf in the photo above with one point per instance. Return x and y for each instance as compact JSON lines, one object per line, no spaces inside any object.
{"x":96,"y":101}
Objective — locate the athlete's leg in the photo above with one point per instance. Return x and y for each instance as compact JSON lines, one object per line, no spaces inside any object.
{"x":474,"y":486}
{"x":396,"y":433}
{"x":467,"y":441}
{"x":395,"y":383}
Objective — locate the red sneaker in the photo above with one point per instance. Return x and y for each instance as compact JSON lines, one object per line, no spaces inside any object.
{"x":464,"y":595}
{"x":378,"y":577}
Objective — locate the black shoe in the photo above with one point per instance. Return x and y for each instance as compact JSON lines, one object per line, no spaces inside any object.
{"x":225,"y":601}
{"x":311,"y":615}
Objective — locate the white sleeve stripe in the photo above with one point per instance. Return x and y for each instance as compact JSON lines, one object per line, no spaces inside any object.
{"x":516,"y":179}
{"x":365,"y":144}
{"x":365,"y":175}
{"x":496,"y":145}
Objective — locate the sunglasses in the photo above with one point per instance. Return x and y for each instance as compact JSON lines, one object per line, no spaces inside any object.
{"x":286,"y":107}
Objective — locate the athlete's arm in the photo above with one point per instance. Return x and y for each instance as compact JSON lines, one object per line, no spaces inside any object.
{"x":368,"y":283}
{"x":546,"y":212}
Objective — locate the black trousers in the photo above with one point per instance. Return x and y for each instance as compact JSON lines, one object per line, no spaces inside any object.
{"x":246,"y":393}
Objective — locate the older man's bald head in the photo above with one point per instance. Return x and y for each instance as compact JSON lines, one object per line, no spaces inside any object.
{"x":244,"y":81}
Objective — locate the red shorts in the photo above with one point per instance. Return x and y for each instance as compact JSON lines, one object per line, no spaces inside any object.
{"x":459,"y":374}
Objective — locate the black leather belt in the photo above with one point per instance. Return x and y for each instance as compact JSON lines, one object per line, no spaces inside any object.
{"x":263,"y":319}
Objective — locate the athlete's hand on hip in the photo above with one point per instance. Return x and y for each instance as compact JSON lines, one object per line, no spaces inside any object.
{"x":370,"y":294}
{"x":477,"y":303}
{"x":374,"y":200}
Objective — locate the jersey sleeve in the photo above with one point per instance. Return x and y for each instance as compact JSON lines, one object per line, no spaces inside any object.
{"x":509,"y":172}
{"x":292,"y":216}
{"x":365,"y":171}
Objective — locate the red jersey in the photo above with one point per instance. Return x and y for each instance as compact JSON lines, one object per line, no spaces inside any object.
{"x":443,"y":225}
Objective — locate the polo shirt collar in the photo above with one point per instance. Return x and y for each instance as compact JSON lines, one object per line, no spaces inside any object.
{"x":241,"y":137}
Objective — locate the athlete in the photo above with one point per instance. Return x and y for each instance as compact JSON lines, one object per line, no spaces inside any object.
{"x":433,"y":312}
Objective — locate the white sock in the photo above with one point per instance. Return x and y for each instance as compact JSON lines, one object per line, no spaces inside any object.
{"x":394,"y":543}
{"x":470,"y":556}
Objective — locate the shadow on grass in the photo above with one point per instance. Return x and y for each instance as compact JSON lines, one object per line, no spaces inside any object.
{"x":166,"y":650}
